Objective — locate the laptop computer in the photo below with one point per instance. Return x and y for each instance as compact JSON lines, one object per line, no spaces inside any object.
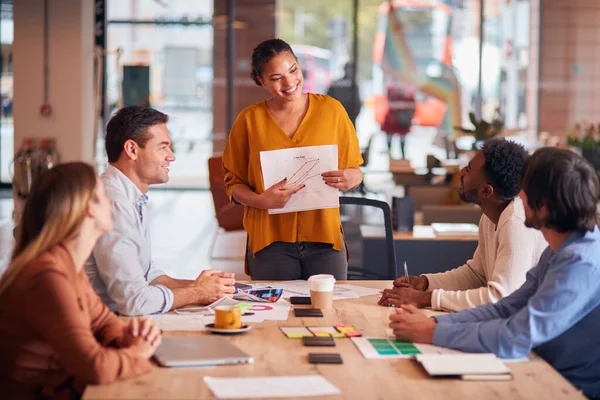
{"x":196,"y":351}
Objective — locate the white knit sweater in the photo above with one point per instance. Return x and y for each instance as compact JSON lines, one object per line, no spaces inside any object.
{"x":503,"y":256}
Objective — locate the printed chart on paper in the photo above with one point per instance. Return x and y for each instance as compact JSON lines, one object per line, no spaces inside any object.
{"x":302,"y":166}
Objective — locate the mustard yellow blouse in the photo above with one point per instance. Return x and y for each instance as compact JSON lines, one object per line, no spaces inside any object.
{"x":326,"y":122}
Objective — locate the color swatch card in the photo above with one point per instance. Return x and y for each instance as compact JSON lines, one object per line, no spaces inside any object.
{"x":373,"y":347}
{"x":385,"y":348}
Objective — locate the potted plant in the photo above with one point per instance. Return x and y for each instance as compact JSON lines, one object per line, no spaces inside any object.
{"x":587,"y":142}
{"x":483,"y":130}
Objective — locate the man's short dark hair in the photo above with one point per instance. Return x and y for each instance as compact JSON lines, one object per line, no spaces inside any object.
{"x":504,"y":162}
{"x":566,"y":184}
{"x":130,"y":123}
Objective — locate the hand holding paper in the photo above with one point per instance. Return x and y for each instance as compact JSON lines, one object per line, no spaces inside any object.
{"x":343,"y":179}
{"x":278,"y":195}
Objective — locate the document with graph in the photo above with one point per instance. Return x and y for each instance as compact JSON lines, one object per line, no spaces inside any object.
{"x":302,"y":166}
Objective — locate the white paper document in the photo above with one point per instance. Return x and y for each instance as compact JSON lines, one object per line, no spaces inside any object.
{"x":270,"y":386}
{"x":173,"y":322}
{"x":340,"y":291}
{"x":302,"y":166}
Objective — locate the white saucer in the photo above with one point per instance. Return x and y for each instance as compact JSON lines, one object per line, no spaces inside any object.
{"x":211,"y":328}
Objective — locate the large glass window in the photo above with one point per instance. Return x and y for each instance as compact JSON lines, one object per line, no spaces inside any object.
{"x":160,"y":55}
{"x":426,"y":50}
{"x":507,"y":42}
{"x":321,"y":36}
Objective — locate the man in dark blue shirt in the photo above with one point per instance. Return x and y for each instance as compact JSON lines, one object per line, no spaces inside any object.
{"x":556,"y":312}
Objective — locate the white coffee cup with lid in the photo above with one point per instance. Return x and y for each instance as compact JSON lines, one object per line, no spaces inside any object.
{"x":321,"y":290}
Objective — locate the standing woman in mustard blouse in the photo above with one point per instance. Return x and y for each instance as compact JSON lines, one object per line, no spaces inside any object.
{"x":292,"y":245}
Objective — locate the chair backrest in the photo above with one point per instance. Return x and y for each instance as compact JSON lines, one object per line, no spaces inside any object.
{"x":451,"y":214}
{"x":229,"y":216}
{"x":364,"y":273}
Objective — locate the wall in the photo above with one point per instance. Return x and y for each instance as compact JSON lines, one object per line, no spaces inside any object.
{"x":70,"y":81}
{"x":569,"y":64}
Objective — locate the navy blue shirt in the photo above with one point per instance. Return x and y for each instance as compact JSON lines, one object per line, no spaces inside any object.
{"x":556,"y":313}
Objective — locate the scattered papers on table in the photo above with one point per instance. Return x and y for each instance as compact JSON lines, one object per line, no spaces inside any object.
{"x":267,"y":386}
{"x":340,"y":291}
{"x":302,"y":166}
{"x":261,"y":295}
{"x":252,"y":312}
{"x":174,"y":322}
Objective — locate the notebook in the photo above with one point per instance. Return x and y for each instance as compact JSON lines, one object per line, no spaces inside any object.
{"x":465,"y":366}
{"x":194,"y":351}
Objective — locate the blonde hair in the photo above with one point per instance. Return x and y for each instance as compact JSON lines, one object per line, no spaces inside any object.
{"x":53,"y":213}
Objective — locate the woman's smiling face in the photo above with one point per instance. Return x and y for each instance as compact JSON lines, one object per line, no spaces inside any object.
{"x":282,"y":77}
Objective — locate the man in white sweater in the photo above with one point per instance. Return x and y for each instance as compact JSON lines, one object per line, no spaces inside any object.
{"x":507,"y":249}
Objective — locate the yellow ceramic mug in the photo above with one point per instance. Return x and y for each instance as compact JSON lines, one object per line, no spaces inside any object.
{"x":228,"y":317}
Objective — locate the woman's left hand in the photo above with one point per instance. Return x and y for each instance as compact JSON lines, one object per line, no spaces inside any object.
{"x":343,"y":179}
{"x":139,"y":327}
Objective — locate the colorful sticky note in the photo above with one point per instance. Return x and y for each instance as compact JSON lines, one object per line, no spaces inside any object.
{"x":326,"y":331}
{"x":295,"y":332}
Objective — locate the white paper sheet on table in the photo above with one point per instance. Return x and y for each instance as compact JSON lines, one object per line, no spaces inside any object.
{"x":278,"y":311}
{"x":173,"y":322}
{"x":340,"y":291}
{"x":270,"y":386}
{"x":302,"y":166}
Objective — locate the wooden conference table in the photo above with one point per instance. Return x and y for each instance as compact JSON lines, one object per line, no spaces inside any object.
{"x":357,"y":377}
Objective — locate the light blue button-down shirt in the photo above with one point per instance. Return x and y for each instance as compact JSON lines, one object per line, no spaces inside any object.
{"x":120,"y":267}
{"x":556,"y":313}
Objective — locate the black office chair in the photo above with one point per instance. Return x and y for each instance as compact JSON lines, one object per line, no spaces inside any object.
{"x":355,"y":273}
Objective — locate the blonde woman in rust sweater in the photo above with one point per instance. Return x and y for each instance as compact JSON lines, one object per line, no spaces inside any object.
{"x":56,"y":335}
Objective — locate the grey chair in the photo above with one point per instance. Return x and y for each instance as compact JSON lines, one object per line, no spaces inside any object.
{"x":364,"y":273}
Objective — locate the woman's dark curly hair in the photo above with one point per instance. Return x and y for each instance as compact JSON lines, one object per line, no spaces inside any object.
{"x":504,"y":161}
{"x":263,"y":53}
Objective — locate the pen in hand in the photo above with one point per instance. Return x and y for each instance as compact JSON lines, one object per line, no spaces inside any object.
{"x":406,"y":274}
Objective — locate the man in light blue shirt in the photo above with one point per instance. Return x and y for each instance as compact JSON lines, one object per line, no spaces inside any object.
{"x":556,"y":312}
{"x":120,"y":267}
